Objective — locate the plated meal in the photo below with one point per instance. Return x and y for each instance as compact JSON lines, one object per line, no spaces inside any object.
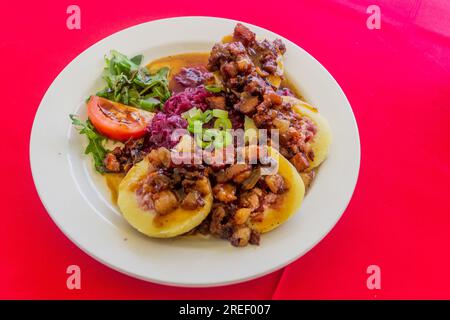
{"x":216,"y":144}
{"x":250,"y":157}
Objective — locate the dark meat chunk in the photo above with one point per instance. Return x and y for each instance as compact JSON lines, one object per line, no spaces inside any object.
{"x":202,"y":186}
{"x":247,"y":105}
{"x":269,"y":64}
{"x":157,"y":182}
{"x":111,"y":163}
{"x":166,"y":185}
{"x":232,"y":60}
{"x":217,"y":55}
{"x":235,"y":49}
{"x":121,"y":159}
{"x":250,"y":199}
{"x":274,"y":98}
{"x":255,"y":85}
{"x":300,"y":162}
{"x":280,"y":46}
{"x":243,"y":34}
{"x":244,"y":64}
{"x":221,"y":176}
{"x":229,"y":69}
{"x":216,"y":102}
{"x":240,"y":237}
{"x":296,"y":131}
{"x":225,"y":192}
{"x":238,"y":172}
{"x":165,"y":202}
{"x":267,"y":54}
{"x":219,"y":225}
{"x":241,"y":215}
{"x":264,"y":115}
{"x":193,"y":200}
{"x":255,"y":238}
{"x":160,"y":157}
{"x":217,"y":217}
{"x":275,"y":183}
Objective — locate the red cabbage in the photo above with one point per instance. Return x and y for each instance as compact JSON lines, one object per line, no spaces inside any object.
{"x":189,"y":98}
{"x":161,"y":129}
{"x":193,"y":76}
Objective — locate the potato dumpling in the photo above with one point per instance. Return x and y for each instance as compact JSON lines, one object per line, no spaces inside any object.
{"x":291,"y":200}
{"x":149,"y":222}
{"x":322,"y":139}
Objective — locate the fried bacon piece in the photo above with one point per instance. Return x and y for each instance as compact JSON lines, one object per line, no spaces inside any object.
{"x":241,"y":196}
{"x":245,"y":64}
{"x":167,"y":187}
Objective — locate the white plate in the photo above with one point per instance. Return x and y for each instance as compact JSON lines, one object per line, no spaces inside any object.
{"x":77,"y":200}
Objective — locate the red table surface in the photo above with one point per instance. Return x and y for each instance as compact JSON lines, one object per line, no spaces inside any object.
{"x":397,"y":80}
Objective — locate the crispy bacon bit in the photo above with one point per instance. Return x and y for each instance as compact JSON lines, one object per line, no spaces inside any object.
{"x":111,"y":163}
{"x":300,"y":162}
{"x":121,"y":159}
{"x":245,"y":66}
{"x":243,"y":34}
{"x":275,"y":183}
{"x":250,"y":199}
{"x":255,"y":238}
{"x":165,"y":202}
{"x":241,"y":216}
{"x":216,"y":102}
{"x":193,"y":200}
{"x":219,"y":225}
{"x":166,"y":187}
{"x":240,"y":237}
{"x":247,"y":105}
{"x":225,"y":192}
{"x":202,"y":186}
{"x":235,"y":205}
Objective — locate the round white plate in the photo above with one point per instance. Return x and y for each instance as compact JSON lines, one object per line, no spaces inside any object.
{"x":77,"y":199}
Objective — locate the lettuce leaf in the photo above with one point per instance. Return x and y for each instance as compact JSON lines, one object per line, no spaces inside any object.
{"x":95,"y":146}
{"x":129,"y":83}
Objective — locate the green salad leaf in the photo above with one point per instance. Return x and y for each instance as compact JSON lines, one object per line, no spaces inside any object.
{"x":129,"y":83}
{"x":95,"y":145}
{"x":137,"y":59}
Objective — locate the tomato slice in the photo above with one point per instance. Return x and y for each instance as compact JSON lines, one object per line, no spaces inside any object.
{"x":117,"y":121}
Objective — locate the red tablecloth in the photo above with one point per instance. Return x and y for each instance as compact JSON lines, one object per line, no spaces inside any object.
{"x":396,"y":78}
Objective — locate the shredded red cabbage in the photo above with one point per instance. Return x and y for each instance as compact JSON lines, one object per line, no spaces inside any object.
{"x":193,"y":76}
{"x":189,"y":98}
{"x":161,"y":129}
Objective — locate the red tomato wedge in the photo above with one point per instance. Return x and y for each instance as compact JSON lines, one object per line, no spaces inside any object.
{"x":117,"y":121}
